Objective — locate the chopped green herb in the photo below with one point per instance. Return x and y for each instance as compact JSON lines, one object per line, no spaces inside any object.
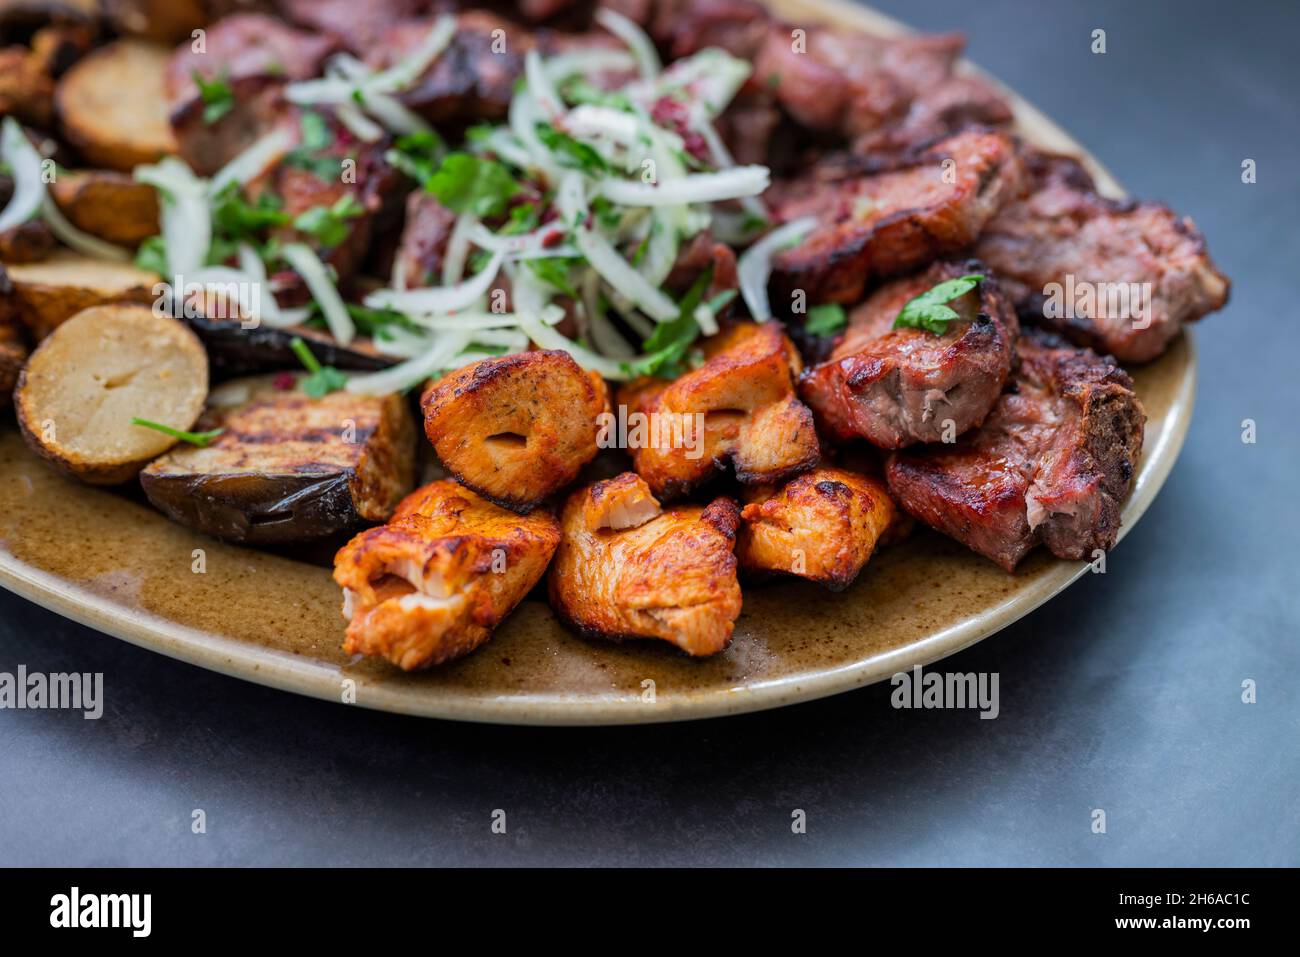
{"x":369,"y":322}
{"x":217,"y":96}
{"x":571,"y":152}
{"x":316,"y":137}
{"x":824,"y":320}
{"x":606,"y":213}
{"x":929,"y":311}
{"x":671,"y":340}
{"x":152,"y":256}
{"x":417,"y":155}
{"x":320,"y":380}
{"x":200,"y":439}
{"x":720,"y":301}
{"x":523,"y":219}
{"x":235,"y":218}
{"x":578,"y":90}
{"x":466,"y":183}
{"x":328,"y":224}
{"x":554,"y":271}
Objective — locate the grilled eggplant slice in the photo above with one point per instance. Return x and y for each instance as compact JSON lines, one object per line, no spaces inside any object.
{"x":288,"y":468}
{"x":516,"y":428}
{"x":83,"y":385}
{"x":112,"y":105}
{"x":236,"y":351}
{"x":628,"y":569}
{"x":47,"y":293}
{"x":108,"y":204}
{"x":433,"y":583}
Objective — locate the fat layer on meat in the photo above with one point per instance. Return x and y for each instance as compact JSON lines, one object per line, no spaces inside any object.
{"x":739,"y":408}
{"x":626,"y":568}
{"x":1053,"y":462}
{"x":433,"y":583}
{"x":1121,"y":277}
{"x":896,"y":387}
{"x":823,"y":525}
{"x":926,"y":205}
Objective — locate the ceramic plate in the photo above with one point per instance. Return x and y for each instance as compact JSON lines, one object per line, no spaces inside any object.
{"x":114,"y":564}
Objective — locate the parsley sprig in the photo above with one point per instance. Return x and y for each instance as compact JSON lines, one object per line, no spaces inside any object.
{"x":201,"y":439}
{"x":929,"y":310}
{"x":217,"y":96}
{"x":320,"y":380}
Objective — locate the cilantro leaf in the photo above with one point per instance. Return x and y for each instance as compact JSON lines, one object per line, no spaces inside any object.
{"x":201,"y":439}
{"x":235,"y":218}
{"x":328,"y":224}
{"x":467,"y":183}
{"x":929,"y":310}
{"x":217,"y":96}
{"x":824,"y":320}
{"x":571,"y":152}
{"x":320,"y":380}
{"x":417,"y":155}
{"x":316,"y":137}
{"x":670,"y":340}
{"x":152,"y":256}
{"x":554,"y":271}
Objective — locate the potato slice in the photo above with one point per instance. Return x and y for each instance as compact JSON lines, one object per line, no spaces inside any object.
{"x":113,"y":107}
{"x":83,"y":385}
{"x":47,"y":293}
{"x":108,"y":204}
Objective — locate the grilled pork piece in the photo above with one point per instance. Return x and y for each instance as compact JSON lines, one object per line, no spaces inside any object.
{"x":895,"y":387}
{"x":823,"y":525}
{"x":357,"y":24}
{"x":738,"y":408}
{"x":516,"y":428}
{"x":1053,"y":462}
{"x":1100,"y":252}
{"x":928,"y":204}
{"x":957,"y":102}
{"x":683,"y":27}
{"x":255,"y":55}
{"x":287,"y":468}
{"x":433,"y":583}
{"x":628,"y":569}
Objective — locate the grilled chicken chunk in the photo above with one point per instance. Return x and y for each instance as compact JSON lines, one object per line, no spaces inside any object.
{"x":925,"y":205}
{"x":287,"y":468}
{"x":895,"y":387}
{"x":1053,"y":462}
{"x":738,"y":408}
{"x":823,"y":525}
{"x":1108,"y":260}
{"x":433,"y":583}
{"x":516,"y":428}
{"x":628,"y":569}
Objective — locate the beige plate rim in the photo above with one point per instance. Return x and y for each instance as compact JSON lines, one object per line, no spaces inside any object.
{"x":318,"y":679}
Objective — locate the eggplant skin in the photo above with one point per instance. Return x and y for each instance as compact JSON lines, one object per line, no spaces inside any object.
{"x":288,"y":468}
{"x":235,"y":351}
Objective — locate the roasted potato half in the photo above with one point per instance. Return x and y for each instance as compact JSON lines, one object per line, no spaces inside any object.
{"x":112,"y":105}
{"x":287,"y":467}
{"x":516,"y":428}
{"x":47,"y":293}
{"x":108,"y":204}
{"x":81,"y":388}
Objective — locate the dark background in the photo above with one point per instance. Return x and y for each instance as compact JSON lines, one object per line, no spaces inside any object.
{"x":1124,"y":693}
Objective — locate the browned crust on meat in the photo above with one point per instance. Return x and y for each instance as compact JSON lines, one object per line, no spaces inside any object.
{"x":823,"y":525}
{"x":516,"y":428}
{"x":28,"y":242}
{"x":896,"y":387}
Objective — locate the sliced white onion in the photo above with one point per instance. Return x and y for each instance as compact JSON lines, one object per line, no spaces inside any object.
{"x":705,"y":319}
{"x":413,"y":371}
{"x":523,"y":118}
{"x":439,"y":299}
{"x":252,"y":162}
{"x":590,"y":122}
{"x":514,"y":245}
{"x":586,"y":62}
{"x":696,"y":188}
{"x":393,"y":114}
{"x":360,"y":125}
{"x":73,"y":237}
{"x":608,"y":339}
{"x":712,"y":76}
{"x":661,"y":250}
{"x":540,"y":86}
{"x":25,"y":168}
{"x":501,"y":142}
{"x":571,"y":199}
{"x":548,"y":338}
{"x":408,"y":69}
{"x":755,"y":265}
{"x":643,"y":50}
{"x":186,"y":214}
{"x":469,"y":321}
{"x":269,"y":311}
{"x":304,"y":261}
{"x":616,"y":271}
{"x":458,"y":243}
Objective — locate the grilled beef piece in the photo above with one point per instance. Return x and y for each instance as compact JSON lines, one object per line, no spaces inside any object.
{"x":1095,"y":249}
{"x":895,"y":387}
{"x":256,"y":56}
{"x":423,"y":245}
{"x":357,"y":24}
{"x":1053,"y":462}
{"x":926,"y":204}
{"x":683,"y":27}
{"x":849,"y":82}
{"x":955,"y":103}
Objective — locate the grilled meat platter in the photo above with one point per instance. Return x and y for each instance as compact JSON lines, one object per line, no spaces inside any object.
{"x":627,"y":306}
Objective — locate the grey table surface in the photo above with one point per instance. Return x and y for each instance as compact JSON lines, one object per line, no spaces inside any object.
{"x":1124,"y":693}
